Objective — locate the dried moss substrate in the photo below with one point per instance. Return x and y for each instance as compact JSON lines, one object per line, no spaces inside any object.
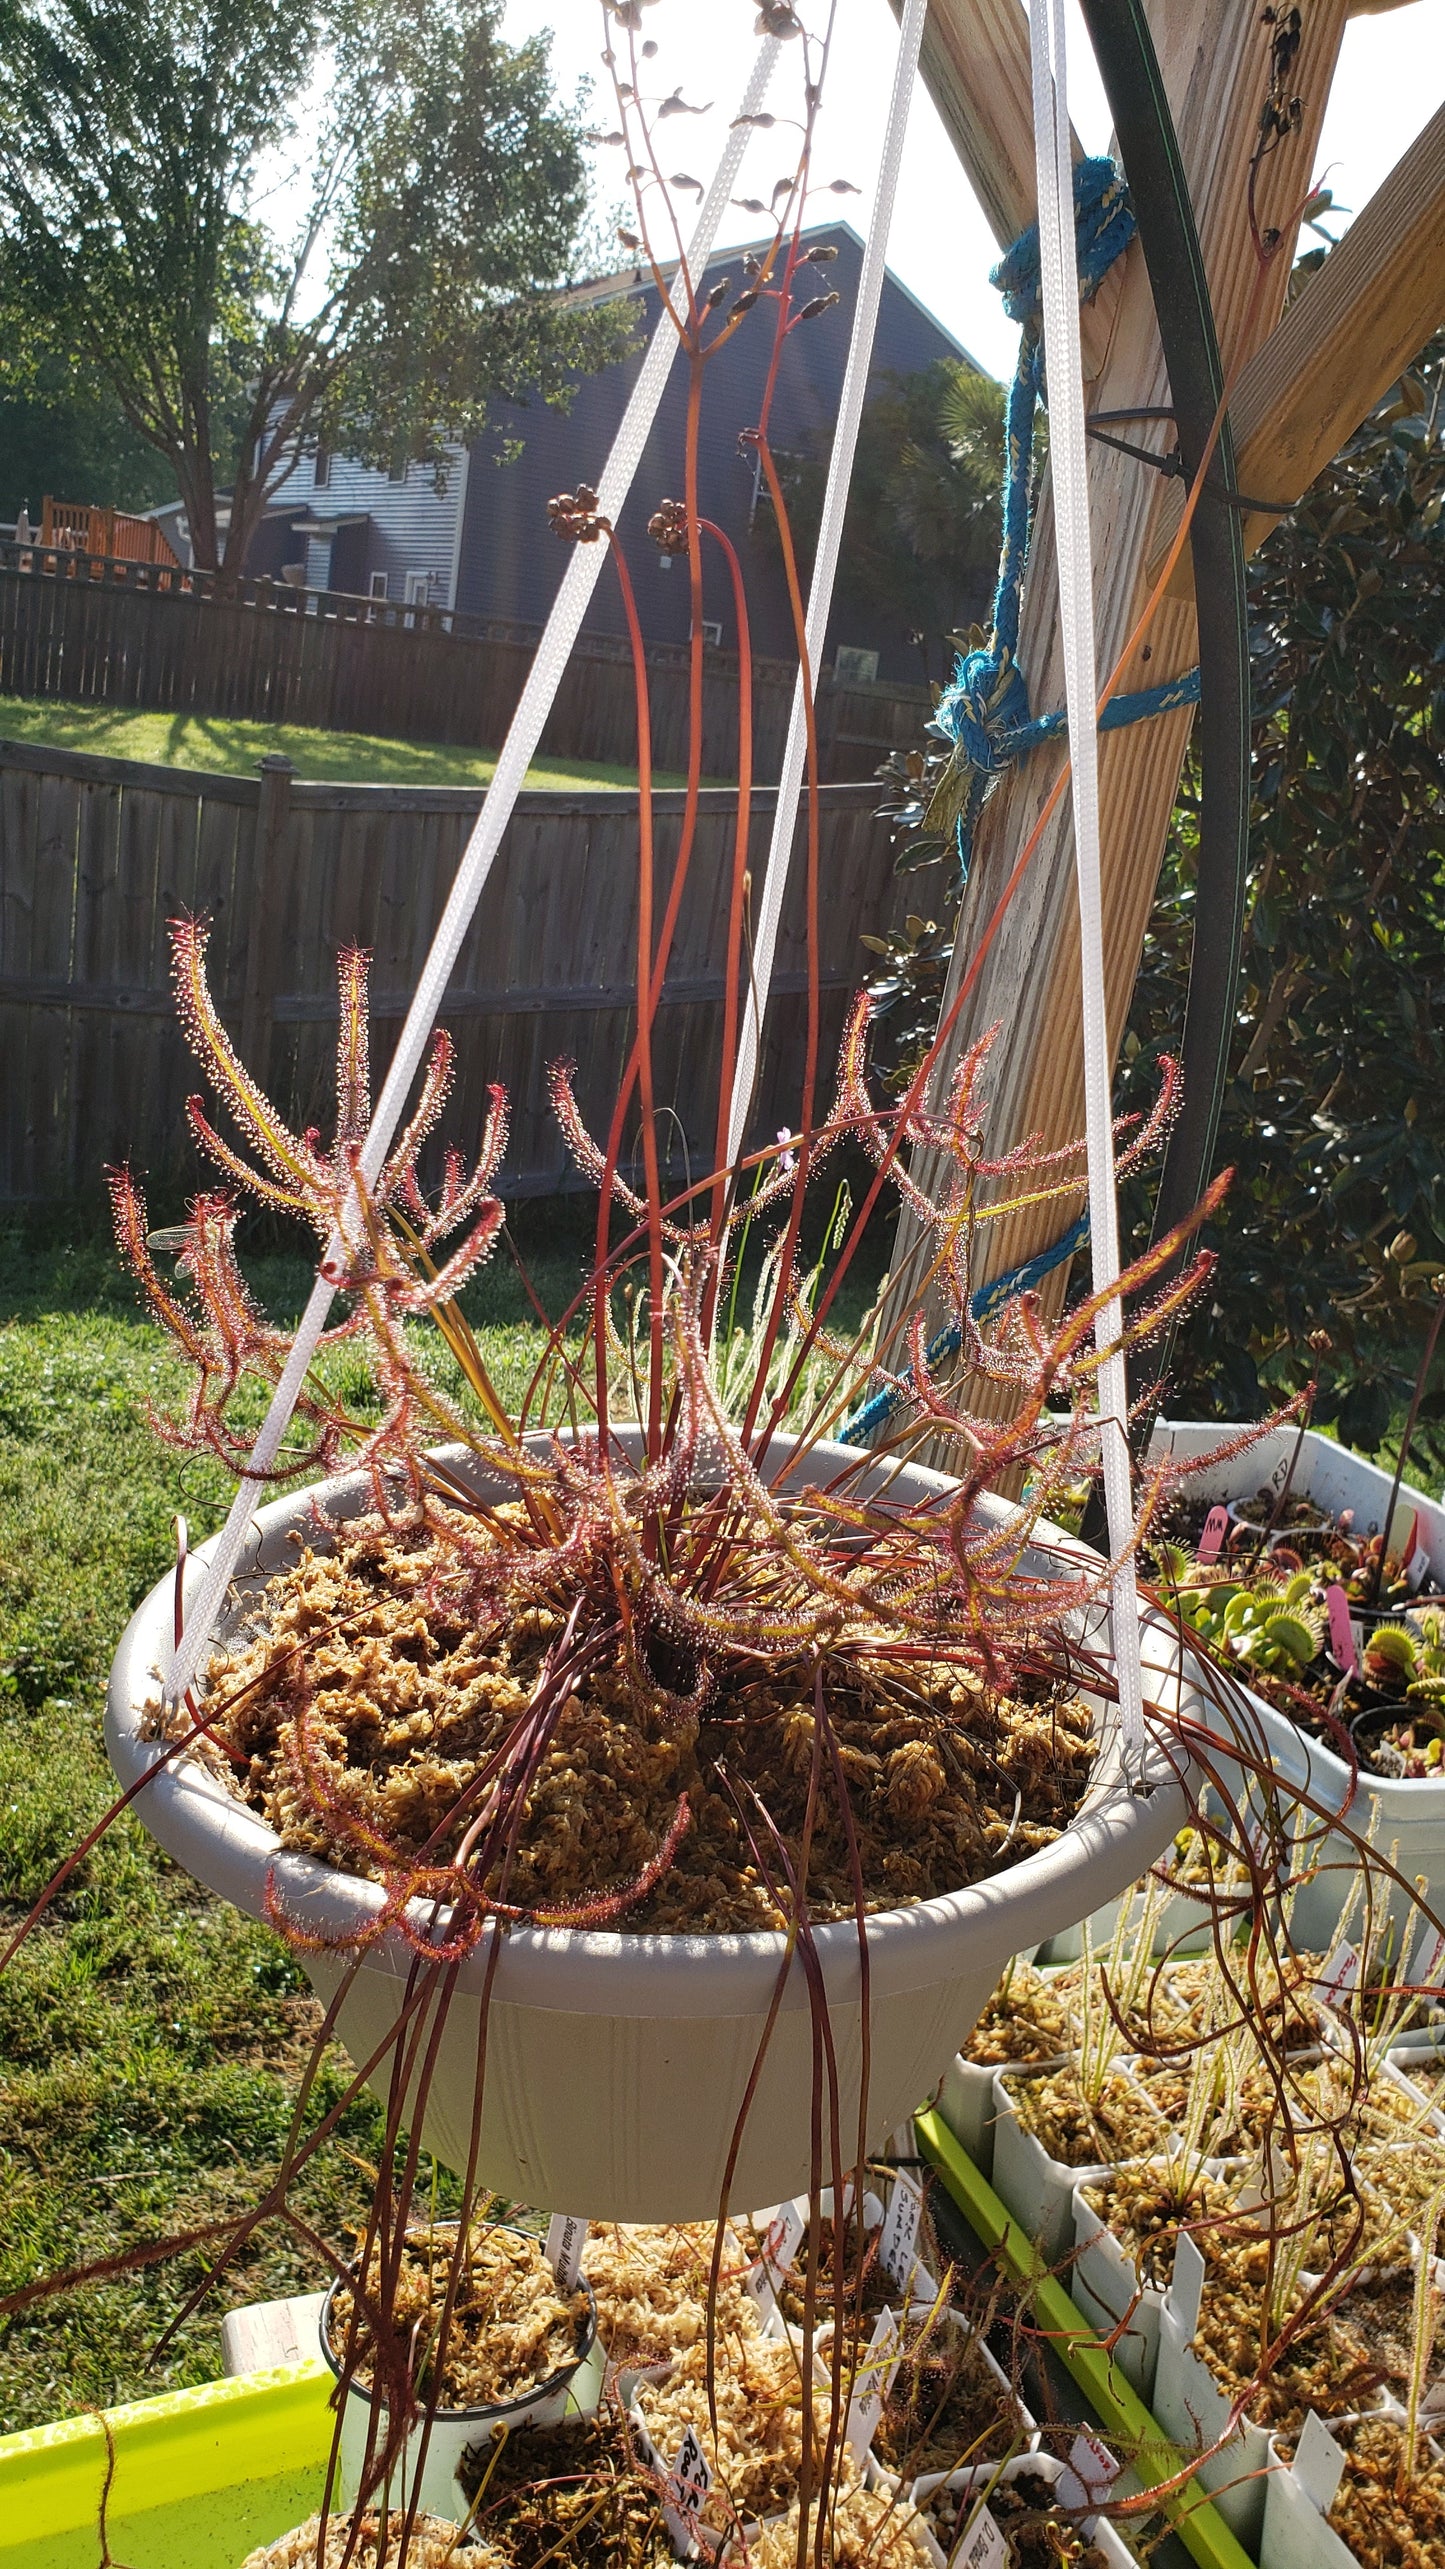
{"x":1325,"y":2367}
{"x":866,"y":2285}
{"x":511,"y":2330}
{"x":1082,"y":2130}
{"x":433,"y":2545}
{"x":570,"y":2493}
{"x":403,"y":1702}
{"x":1026,"y":2511}
{"x":1389,"y":2522}
{"x":863,"y":2531}
{"x":757,"y":2453}
{"x":1025,"y":2019}
{"x":650,"y":2283}
{"x":1146,"y":2210}
{"x":946,"y":2408}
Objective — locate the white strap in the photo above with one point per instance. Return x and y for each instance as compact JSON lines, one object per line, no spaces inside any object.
{"x":518,"y":751}
{"x":1068,"y":463}
{"x":825,"y":568}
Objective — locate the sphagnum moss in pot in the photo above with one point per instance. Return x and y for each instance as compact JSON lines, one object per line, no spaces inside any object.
{"x":574,"y":1735}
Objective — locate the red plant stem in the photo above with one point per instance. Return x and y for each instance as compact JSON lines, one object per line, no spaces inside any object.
{"x":644,"y":1045}
{"x":810,"y":1066}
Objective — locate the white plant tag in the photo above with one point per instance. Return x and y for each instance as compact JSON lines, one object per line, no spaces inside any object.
{"x":1425,"y":1969}
{"x":679,"y":2527}
{"x":566,"y":2239}
{"x":783,"y":2235}
{"x":1341,"y":1975}
{"x":871,"y":2386}
{"x":897,"y":2246}
{"x":1403,"y":1534}
{"x":691,"y":2478}
{"x":984,"y":2546}
{"x":1088,"y":2476}
{"x":1186,"y":2289}
{"x":1318,"y":2463}
{"x":1416,"y":1568}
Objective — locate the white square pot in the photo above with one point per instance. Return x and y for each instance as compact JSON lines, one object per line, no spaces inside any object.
{"x":1037,"y":2189}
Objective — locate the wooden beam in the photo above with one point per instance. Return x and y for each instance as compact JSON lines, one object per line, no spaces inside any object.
{"x":1362,"y":316}
{"x":1214,"y":63}
{"x":975,"y":67}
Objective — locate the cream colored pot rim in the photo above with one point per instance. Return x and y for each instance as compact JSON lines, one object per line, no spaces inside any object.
{"x":605,"y":1971}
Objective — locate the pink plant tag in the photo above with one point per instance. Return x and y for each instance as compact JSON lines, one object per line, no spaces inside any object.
{"x":1216,"y":1526}
{"x":1088,"y":2476}
{"x":1344,"y":1650}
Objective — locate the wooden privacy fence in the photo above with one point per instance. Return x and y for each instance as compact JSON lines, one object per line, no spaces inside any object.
{"x":97,"y":854}
{"x":131,"y":633}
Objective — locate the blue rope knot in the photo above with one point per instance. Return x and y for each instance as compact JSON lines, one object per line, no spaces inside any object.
{"x":986,"y":702}
{"x":984,"y":710}
{"x":1104,"y":225}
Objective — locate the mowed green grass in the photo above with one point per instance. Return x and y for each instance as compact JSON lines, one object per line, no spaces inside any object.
{"x":219,"y":746}
{"x":151,"y":2041}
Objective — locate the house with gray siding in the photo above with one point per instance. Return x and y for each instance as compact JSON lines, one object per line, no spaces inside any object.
{"x":477,"y":538}
{"x":510,"y":563}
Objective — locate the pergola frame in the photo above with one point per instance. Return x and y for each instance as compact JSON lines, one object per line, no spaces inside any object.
{"x":1301,"y":385}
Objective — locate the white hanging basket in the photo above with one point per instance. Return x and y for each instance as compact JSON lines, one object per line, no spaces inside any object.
{"x":616,"y":2064}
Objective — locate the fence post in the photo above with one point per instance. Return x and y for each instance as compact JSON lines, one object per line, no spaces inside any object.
{"x":263,"y":927}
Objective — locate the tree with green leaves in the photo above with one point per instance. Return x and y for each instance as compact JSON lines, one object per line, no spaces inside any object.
{"x":921,"y":536}
{"x":442,"y":195}
{"x":1334,"y":1119}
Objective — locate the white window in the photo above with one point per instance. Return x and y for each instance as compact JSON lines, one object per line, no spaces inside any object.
{"x":712,"y":632}
{"x":397,"y":472}
{"x":418,"y":588}
{"x":378,"y":584}
{"x":322,"y":473}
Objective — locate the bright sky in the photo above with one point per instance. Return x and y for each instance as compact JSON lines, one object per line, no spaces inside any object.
{"x":1391,"y":77}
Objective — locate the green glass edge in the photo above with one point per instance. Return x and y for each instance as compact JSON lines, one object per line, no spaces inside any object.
{"x":187,"y":2444}
{"x":1153,"y":2458}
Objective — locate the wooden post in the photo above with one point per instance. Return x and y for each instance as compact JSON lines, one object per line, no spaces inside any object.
{"x":263,"y":926}
{"x":1214,"y":62}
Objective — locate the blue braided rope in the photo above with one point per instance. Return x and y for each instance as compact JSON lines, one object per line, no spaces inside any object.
{"x":989,"y":1299}
{"x":985,"y":709}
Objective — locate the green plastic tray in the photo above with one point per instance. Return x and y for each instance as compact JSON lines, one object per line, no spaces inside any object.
{"x":1156,"y":2463}
{"x":201,"y":2477}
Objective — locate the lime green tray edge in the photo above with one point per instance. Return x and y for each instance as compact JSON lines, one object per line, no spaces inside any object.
{"x":186,"y":2446}
{"x":1157,"y":2463}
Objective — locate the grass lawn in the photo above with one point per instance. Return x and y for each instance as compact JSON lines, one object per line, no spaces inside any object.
{"x":150,"y":2038}
{"x":222,"y":747}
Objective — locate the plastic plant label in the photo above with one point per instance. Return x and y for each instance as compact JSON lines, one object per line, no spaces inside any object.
{"x":1425,"y":1969}
{"x":1341,"y":1975}
{"x":1404,"y":1535}
{"x":679,"y":2527}
{"x":691,"y":2478}
{"x":1216,"y":1526}
{"x":784,"y":2236}
{"x":1344,"y":1649}
{"x":1318,"y":2463}
{"x":1186,"y":2289}
{"x":783,"y":2231}
{"x":566,"y":2239}
{"x":870,"y":2389}
{"x":1088,"y":2475}
{"x":983,"y":2547}
{"x":897,"y":2246}
{"x":1415,"y":1569}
